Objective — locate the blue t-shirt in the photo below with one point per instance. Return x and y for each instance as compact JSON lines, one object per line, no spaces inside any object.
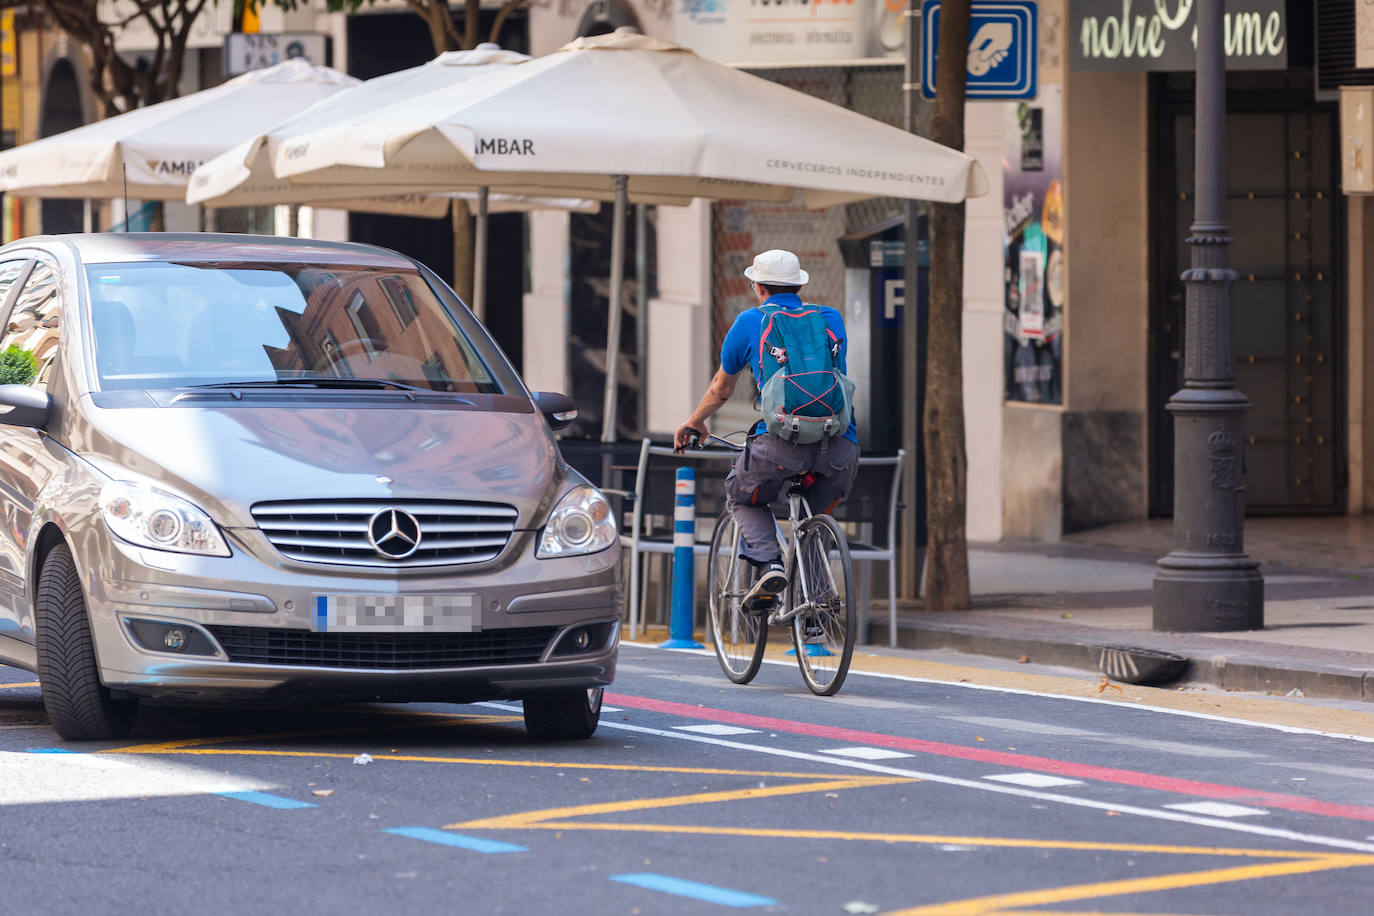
{"x":741,"y":346}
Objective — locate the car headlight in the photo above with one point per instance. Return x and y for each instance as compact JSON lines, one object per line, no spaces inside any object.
{"x":581,"y":523}
{"x":150,"y":517}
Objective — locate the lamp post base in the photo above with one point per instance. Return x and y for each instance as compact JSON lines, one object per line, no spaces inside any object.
{"x":1206,"y":593}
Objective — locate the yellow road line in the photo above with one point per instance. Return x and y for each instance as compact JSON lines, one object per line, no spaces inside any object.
{"x":530,"y":818}
{"x":918,"y":839}
{"x":12,"y":686}
{"x":554,"y":819}
{"x":984,"y":906}
{"x":170,"y":747}
{"x":477,"y":761}
{"x":1071,"y":912}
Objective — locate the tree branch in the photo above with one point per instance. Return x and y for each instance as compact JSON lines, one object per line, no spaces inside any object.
{"x":502,"y":15}
{"x":472,"y":20}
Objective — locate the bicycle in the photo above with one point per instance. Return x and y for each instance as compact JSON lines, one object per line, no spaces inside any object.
{"x":816,"y":603}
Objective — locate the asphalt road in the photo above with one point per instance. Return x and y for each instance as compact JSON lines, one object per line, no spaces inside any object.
{"x":903,"y":794}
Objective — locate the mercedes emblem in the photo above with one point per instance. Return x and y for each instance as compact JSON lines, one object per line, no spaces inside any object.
{"x":393,"y":533}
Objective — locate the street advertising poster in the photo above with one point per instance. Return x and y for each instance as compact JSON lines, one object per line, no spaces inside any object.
{"x":1033,"y":244}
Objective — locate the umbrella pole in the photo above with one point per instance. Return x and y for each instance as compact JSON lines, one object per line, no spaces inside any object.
{"x":642,"y":313}
{"x":87,"y":217}
{"x":613,"y":321}
{"x":479,"y":259}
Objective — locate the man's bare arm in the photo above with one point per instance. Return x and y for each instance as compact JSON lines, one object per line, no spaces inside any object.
{"x":717,"y":393}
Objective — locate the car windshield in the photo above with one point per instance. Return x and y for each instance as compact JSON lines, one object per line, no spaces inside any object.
{"x":172,"y":325}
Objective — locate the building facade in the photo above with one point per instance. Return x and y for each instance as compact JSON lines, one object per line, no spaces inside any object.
{"x":1073,"y":314}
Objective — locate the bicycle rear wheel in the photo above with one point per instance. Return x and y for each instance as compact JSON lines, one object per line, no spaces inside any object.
{"x":823,"y":584}
{"x":737,"y":637}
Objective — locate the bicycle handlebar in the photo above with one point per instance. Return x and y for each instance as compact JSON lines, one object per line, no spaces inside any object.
{"x":696,"y":444}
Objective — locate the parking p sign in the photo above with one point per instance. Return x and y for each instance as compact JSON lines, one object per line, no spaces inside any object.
{"x":1002,"y":50}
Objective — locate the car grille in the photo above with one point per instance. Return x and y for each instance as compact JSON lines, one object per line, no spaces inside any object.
{"x":270,"y":646}
{"x":336,"y":531}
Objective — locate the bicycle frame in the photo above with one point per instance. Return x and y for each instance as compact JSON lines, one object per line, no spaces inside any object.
{"x":798,"y":511}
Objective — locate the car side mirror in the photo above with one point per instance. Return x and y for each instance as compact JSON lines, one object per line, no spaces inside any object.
{"x":558,"y":409}
{"x":27,"y":406}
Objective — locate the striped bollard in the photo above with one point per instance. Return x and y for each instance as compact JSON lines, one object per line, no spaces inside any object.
{"x":684,"y":560}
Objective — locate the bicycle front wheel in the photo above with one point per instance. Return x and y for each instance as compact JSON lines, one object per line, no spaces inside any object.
{"x":823,"y":631}
{"x":737,"y":637}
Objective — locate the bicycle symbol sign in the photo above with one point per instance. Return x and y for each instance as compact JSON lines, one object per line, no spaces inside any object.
{"x":1002,"y":51}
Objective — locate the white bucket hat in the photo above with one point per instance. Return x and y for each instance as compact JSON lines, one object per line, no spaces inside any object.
{"x":777,"y":267}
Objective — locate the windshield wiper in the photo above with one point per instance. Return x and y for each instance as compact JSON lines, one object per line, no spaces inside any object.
{"x":335,"y":384}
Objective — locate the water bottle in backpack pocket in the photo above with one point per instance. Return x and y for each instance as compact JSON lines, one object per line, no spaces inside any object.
{"x":804,"y":395}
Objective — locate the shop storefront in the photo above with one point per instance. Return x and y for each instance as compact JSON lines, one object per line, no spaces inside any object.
{"x":1288,"y":221}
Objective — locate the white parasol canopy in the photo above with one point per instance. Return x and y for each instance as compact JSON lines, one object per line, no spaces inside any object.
{"x":676,"y":124}
{"x":243,"y":175}
{"x":624,"y":116}
{"x":156,"y":148}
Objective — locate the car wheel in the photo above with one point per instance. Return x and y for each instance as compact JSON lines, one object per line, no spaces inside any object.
{"x":79,"y":707}
{"x":563,"y":715}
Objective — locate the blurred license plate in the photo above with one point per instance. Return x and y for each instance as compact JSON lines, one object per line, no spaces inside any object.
{"x":395,"y":613}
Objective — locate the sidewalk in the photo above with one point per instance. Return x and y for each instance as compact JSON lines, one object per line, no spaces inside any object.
{"x":1062,"y":604}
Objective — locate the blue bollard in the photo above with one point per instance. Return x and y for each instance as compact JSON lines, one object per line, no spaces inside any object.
{"x":684,"y":581}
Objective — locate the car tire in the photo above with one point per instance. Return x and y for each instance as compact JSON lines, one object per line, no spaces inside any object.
{"x":79,"y":707}
{"x":563,"y":715}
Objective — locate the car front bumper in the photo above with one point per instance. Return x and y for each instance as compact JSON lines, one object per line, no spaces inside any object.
{"x":251,"y":628}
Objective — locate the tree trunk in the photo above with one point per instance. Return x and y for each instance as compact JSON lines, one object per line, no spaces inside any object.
{"x":947,"y":585}
{"x":462,"y":250}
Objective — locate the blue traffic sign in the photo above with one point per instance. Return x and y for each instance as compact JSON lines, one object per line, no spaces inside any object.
{"x":1003,"y":49}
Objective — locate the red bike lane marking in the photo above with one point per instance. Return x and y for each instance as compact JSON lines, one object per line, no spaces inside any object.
{"x":1003,"y":758}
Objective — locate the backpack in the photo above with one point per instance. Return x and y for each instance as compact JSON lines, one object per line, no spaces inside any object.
{"x":804,"y":395}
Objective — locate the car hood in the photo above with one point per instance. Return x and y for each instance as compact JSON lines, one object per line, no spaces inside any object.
{"x":226,"y":459}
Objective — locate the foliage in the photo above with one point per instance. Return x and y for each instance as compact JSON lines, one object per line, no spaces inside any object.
{"x":122,"y":86}
{"x":118,"y":84}
{"x":17,"y":366}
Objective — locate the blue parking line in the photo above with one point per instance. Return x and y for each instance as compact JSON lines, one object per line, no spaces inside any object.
{"x":50,"y":750}
{"x":445,"y":838}
{"x":682,"y":888}
{"x":267,"y":801}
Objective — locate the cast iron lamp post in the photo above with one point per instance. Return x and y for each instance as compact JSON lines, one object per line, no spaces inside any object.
{"x":1207,"y":582}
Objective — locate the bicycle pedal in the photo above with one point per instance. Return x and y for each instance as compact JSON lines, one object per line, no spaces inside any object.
{"x":760,"y":606}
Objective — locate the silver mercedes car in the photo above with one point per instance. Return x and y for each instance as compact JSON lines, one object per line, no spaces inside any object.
{"x":246,"y":466}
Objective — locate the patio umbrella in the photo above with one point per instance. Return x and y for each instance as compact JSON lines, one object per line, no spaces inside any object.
{"x":629,"y":117}
{"x":149,"y":153}
{"x":243,"y":175}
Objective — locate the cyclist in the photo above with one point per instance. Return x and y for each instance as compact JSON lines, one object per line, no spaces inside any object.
{"x":769,"y":460}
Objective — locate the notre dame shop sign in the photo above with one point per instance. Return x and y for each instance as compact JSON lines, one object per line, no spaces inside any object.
{"x":1162,"y":34}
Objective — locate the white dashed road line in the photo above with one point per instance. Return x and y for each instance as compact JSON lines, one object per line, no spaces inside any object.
{"x":717,"y":729}
{"x":1217,"y":809}
{"x":866,"y":753}
{"x":1035,"y":780}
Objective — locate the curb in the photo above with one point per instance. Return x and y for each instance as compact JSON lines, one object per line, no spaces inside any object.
{"x":1227,"y":664}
